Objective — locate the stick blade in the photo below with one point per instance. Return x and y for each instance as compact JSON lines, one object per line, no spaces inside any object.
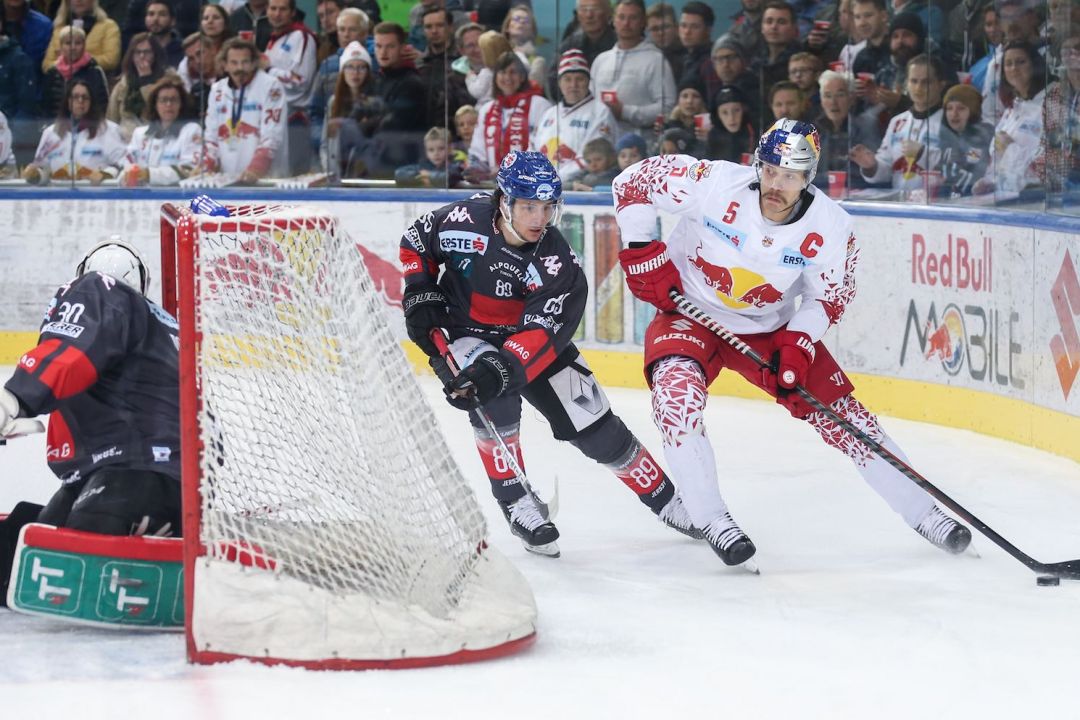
{"x":1068,"y":569}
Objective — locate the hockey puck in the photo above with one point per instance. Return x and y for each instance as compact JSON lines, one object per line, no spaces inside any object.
{"x":789,"y":377}
{"x":1048,"y":580}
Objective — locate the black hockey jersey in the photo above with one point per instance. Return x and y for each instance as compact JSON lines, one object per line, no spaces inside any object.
{"x":527,"y":301}
{"x":107,"y":369}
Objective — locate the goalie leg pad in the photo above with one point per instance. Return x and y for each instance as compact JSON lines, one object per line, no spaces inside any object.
{"x":22,"y":514}
{"x":118,"y":501}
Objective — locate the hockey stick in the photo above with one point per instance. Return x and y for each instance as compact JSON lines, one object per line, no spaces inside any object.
{"x":1069,"y":569}
{"x":547,"y":512}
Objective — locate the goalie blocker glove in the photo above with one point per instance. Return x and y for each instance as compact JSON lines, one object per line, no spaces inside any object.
{"x":425,"y":310}
{"x":650,"y":274}
{"x":481,"y":382}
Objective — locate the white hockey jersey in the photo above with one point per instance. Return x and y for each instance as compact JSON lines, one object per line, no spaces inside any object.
{"x":292,"y":62}
{"x":245,"y":127}
{"x":168,"y":157}
{"x":7,"y":155}
{"x":564,"y":131}
{"x":744,"y":271}
{"x":1017,"y":167}
{"x":907,"y":172}
{"x":104,"y":152}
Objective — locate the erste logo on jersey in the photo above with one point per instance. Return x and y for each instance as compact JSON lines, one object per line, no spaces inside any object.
{"x":460,"y":241}
{"x":728,"y":234}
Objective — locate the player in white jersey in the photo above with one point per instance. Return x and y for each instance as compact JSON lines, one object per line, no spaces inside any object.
{"x":245,"y":117}
{"x":773,"y":260}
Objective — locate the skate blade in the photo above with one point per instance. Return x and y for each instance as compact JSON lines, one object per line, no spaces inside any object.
{"x":750,"y":566}
{"x":972,"y":551}
{"x":550,"y":549}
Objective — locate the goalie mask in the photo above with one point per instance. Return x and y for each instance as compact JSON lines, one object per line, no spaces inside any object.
{"x":790,"y":144}
{"x":529,"y":176}
{"x":119,"y":260}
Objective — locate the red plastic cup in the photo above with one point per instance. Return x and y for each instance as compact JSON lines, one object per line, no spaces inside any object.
{"x":964,"y":77}
{"x":837,"y":66}
{"x":608,"y":96}
{"x":822,"y":25}
{"x":837,"y":183}
{"x":746,"y":158}
{"x":248,"y":35}
{"x":703,"y":121}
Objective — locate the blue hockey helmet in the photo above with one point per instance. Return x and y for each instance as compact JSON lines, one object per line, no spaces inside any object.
{"x":790,"y":144}
{"x":525,"y":175}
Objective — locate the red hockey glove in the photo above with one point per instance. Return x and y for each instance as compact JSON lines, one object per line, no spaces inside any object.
{"x":650,"y":274}
{"x":795,"y":352}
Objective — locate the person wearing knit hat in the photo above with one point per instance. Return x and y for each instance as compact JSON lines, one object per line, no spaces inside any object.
{"x":691,"y":103}
{"x":630,"y":149}
{"x":355,"y":52}
{"x":676,"y":141}
{"x":965,"y":142}
{"x":579,"y":118}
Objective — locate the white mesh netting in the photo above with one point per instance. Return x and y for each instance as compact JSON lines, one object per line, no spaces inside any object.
{"x":324,"y":473}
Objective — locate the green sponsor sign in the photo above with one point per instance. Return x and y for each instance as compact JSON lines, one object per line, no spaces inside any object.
{"x":102,"y":590}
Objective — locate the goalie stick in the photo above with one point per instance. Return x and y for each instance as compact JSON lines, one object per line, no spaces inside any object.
{"x":1068,"y":569}
{"x":547,"y":510}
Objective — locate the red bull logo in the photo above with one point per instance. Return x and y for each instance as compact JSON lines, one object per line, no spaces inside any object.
{"x":384,"y":275}
{"x":737,"y":288}
{"x":946,"y":341}
{"x":240,"y":130}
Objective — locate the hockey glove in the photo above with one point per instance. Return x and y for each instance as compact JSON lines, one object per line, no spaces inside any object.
{"x":484,"y":380}
{"x":794,"y":353}
{"x":11,"y":425}
{"x":650,"y":274}
{"x":442,"y":370}
{"x":425,"y":310}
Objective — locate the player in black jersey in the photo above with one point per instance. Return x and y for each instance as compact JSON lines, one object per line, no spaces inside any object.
{"x":106,"y":370}
{"x":510,"y":295}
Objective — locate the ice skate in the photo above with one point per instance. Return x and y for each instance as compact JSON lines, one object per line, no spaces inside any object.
{"x":729,"y":541}
{"x":674,"y":515}
{"x":944,"y":532}
{"x":536,"y":534}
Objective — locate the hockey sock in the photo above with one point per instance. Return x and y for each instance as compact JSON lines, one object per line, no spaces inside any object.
{"x":641,"y":473}
{"x":678,"y":398}
{"x":504,"y":484}
{"x":902,"y":495}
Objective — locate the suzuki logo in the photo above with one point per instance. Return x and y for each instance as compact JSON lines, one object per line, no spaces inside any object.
{"x":1065,"y":346}
{"x":682,"y":325}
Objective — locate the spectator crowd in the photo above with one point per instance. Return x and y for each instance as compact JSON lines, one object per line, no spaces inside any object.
{"x":948,"y":98}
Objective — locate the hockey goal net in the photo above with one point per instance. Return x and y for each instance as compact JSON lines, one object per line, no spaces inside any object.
{"x":326,"y":523}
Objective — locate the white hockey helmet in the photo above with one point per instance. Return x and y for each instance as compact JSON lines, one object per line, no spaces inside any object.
{"x":119,"y":260}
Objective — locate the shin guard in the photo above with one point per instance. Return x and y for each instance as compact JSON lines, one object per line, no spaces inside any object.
{"x":504,"y":484}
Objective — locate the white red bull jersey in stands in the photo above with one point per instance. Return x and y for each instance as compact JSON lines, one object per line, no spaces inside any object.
{"x":292,"y":62}
{"x":908,"y":172}
{"x":741,"y":269}
{"x":245,"y":127}
{"x":7,"y":156}
{"x":106,"y":368}
{"x":169,"y":155}
{"x":103,"y":152}
{"x":564,"y":131}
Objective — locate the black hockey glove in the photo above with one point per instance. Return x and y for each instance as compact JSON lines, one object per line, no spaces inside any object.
{"x":442,"y":370}
{"x":480,"y":383}
{"x":425,"y":310}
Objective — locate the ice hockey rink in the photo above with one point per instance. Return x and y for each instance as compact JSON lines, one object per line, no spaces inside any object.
{"x":853,"y":615}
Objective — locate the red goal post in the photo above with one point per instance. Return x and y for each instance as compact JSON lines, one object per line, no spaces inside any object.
{"x":326,"y":522}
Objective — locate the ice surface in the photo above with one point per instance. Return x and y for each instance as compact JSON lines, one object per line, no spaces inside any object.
{"x":854,"y":615}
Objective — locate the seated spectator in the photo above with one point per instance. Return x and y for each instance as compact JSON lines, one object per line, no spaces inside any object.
{"x":8,"y":168}
{"x":630,"y":149}
{"x":29,"y":28}
{"x":327,"y":11}
{"x":601,"y":166}
{"x":1016,"y":153}
{"x":732,"y":136}
{"x":508,"y":121}
{"x":594,"y":33}
{"x":186,"y":18}
{"x":481,"y":84}
{"x":907,"y":38}
{"x":398,"y":84}
{"x":633,"y":79}
{"x":80,"y":145}
{"x":471,"y":60}
{"x":414,"y":39}
{"x":929,"y":14}
{"x":870,"y":20}
{"x":786,"y":99}
{"x":353,"y":115}
{"x":144,"y":64}
{"x":250,"y":21}
{"x":567,"y":127}
{"x":101,"y":36}
{"x":160,"y":24}
{"x":290,"y":57}
{"x":690,"y":104}
{"x":728,"y":69}
{"x":911,"y":144}
{"x":18,"y":89}
{"x":199,"y":68}
{"x":519,"y":27}
{"x":249,"y":144}
{"x":464,"y":126}
{"x":854,"y":38}
{"x":993,"y":36}
{"x":214,"y":26}
{"x":445,"y":90}
{"x":804,"y":69}
{"x":352,"y":26}
{"x":438,"y":169}
{"x":676,"y":141}
{"x":167,"y":149}
{"x":965,"y":142}
{"x":830,"y":39}
{"x":1060,"y":126}
{"x":73,"y":63}
{"x":839,"y":130}
{"x":695,"y":36}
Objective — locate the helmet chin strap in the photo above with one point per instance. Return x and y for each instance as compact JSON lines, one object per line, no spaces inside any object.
{"x":508,"y":221}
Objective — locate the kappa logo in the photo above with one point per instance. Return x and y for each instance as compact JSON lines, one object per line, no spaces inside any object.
{"x":551,"y":264}
{"x":682,"y":325}
{"x":460,"y":214}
